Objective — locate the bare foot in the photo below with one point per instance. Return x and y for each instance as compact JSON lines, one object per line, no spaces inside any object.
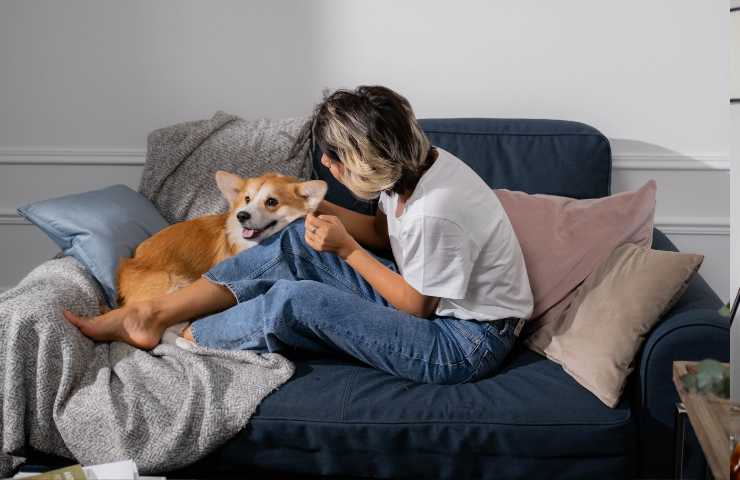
{"x":133,"y":324}
{"x":187,"y":334}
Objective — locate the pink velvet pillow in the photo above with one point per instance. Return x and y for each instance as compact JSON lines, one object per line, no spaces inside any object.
{"x":564,"y":239}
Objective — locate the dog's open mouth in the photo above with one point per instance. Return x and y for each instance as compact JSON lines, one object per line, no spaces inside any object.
{"x":252,"y":233}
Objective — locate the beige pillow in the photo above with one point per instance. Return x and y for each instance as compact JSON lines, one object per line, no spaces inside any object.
{"x":600,"y":331}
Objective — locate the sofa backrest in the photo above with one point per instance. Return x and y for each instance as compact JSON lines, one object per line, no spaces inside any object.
{"x":556,"y":157}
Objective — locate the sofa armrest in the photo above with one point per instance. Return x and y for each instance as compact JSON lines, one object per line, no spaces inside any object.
{"x":692,"y":330}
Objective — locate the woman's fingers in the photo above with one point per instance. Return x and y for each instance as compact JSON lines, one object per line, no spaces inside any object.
{"x":316,"y":222}
{"x":315,"y":225}
{"x":313,"y":242}
{"x":310,"y":218}
{"x":313,"y":219}
{"x":330,"y":220}
{"x":315,"y":237}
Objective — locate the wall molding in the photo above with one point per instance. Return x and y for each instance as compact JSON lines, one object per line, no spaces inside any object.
{"x":137,"y":156}
{"x":103,"y":156}
{"x":671,"y":162}
{"x":72,"y":156}
{"x":9,"y":216}
{"x":682,"y":225}
{"x":694,"y":225}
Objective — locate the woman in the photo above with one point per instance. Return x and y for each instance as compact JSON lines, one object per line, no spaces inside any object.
{"x":448,"y":313}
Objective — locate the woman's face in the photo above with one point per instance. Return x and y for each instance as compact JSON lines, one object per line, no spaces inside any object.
{"x":336,"y":168}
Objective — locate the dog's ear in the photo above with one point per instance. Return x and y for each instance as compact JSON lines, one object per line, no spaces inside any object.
{"x":313,"y":191}
{"x":229,"y":184}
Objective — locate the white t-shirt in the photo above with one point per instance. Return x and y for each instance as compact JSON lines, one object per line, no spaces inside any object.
{"x":453,"y":240}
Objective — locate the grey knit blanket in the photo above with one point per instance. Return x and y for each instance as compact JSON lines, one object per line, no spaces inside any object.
{"x":100,"y":402}
{"x":63,"y":394}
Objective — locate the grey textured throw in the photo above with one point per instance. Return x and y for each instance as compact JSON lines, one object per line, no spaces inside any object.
{"x":182,"y":160}
{"x":64,"y":394}
{"x":100,"y":402}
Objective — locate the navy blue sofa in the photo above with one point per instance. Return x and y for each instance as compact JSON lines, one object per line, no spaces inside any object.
{"x":337,"y":416}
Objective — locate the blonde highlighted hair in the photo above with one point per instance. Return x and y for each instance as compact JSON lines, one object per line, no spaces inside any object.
{"x":373,"y":133}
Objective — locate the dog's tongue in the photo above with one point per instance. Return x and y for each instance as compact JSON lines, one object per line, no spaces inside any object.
{"x":249,"y":232}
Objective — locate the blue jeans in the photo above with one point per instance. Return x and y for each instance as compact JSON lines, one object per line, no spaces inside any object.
{"x":291,"y":296}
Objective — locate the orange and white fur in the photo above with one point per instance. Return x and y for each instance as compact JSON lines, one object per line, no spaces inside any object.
{"x":179,"y":254}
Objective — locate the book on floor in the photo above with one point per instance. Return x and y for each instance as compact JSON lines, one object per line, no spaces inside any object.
{"x":124,"y":470}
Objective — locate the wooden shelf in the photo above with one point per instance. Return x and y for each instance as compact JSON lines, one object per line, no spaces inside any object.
{"x":713,"y":419}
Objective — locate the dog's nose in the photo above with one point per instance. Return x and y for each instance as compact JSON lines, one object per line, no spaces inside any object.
{"x":243,"y":216}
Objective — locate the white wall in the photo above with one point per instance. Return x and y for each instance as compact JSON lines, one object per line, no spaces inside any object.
{"x":735,"y":256}
{"x":735,"y":190}
{"x":93,"y":77}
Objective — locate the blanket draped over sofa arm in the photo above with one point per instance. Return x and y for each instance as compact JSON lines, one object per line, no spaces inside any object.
{"x":63,"y":394}
{"x":692,"y":330}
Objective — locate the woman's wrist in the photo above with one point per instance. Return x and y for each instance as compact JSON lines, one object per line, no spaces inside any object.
{"x":325,"y":208}
{"x":350,"y":249}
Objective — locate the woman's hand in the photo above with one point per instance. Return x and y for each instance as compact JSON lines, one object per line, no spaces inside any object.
{"x":326,"y":233}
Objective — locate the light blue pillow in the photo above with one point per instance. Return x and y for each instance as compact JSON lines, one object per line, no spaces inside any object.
{"x":97,"y":228}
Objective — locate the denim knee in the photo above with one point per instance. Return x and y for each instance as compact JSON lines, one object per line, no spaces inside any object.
{"x":307,"y":291}
{"x":293,"y":303}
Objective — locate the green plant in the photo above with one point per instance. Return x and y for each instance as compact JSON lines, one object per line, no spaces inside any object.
{"x":710,"y":376}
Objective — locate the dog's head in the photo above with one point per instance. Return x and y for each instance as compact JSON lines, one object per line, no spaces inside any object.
{"x":262,"y":206}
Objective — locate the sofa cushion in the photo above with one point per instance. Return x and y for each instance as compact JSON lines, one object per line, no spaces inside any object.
{"x":98,"y":228}
{"x":337,"y":415}
{"x":182,"y":160}
{"x":611,"y":312}
{"x":556,"y":157}
{"x":563,"y":239}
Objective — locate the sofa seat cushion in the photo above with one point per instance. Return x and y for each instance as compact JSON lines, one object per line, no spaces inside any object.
{"x":337,"y":415}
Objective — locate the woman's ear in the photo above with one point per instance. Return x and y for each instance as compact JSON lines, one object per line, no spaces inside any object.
{"x":313,"y":191}
{"x":229,"y":184}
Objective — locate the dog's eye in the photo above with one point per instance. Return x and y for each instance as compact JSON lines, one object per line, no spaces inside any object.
{"x":271,"y":202}
{"x":247,"y":199}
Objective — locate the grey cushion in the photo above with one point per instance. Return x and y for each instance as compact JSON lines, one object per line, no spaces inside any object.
{"x":182,"y":160}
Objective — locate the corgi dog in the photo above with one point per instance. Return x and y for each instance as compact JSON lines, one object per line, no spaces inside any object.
{"x":179,"y":254}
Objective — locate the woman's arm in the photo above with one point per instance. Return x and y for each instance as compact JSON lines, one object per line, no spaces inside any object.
{"x":371,"y":231}
{"x":326,"y":233}
{"x":391,"y":285}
